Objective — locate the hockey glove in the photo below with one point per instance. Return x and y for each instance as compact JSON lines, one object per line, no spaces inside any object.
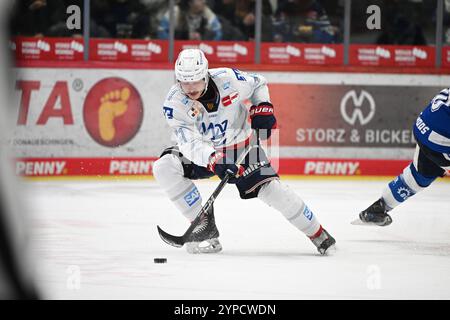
{"x":220,"y":165}
{"x":262,"y":117}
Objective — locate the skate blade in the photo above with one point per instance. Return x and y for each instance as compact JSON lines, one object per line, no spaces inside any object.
{"x":329,"y":251}
{"x":359,"y":222}
{"x":207,"y":246}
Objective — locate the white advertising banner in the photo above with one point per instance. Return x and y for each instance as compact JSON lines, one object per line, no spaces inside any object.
{"x":95,"y":121}
{"x":89,"y":112}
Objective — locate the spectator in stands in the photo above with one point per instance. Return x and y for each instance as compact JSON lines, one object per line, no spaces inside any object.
{"x":400,"y":26}
{"x":39,"y":18}
{"x":303,"y":21}
{"x":447,"y":22}
{"x":241,"y":14}
{"x":155,"y":10}
{"x":122,"y":18}
{"x":33,"y":18}
{"x":194,"y":20}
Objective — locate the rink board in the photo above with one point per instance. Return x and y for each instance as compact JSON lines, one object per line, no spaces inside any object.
{"x":60,"y":167}
{"x":329,"y":124}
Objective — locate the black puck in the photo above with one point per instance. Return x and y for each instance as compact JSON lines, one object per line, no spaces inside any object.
{"x":160,"y":260}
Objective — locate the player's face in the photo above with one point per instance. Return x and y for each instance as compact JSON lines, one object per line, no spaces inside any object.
{"x":193,"y":89}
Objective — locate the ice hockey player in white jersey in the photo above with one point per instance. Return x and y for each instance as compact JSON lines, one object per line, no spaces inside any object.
{"x":431,"y":160}
{"x":211,"y":127}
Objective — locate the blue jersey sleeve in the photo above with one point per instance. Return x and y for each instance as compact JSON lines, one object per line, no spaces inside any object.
{"x":432,"y":127}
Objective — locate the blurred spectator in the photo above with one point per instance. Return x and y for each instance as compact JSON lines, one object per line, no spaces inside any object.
{"x":241,"y":14}
{"x":303,"y":21}
{"x":39,"y":18}
{"x":155,"y":10}
{"x":447,"y":22}
{"x":36,"y":17}
{"x":194,"y":20}
{"x":122,"y":18}
{"x":400,"y":26}
{"x":229,"y":31}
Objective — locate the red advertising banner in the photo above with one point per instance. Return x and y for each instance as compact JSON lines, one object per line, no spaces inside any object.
{"x":302,"y":54}
{"x":137,"y":50}
{"x":221,"y":51}
{"x":55,"y":49}
{"x":446,"y":56}
{"x":342,"y":167}
{"x":129,"y":50}
{"x":54,"y":167}
{"x":44,"y":167}
{"x":388,"y":55}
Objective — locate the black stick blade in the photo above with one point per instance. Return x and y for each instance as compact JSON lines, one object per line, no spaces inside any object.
{"x":170,"y":239}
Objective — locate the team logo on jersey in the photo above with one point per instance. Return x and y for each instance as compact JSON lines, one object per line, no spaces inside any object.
{"x":226,"y":101}
{"x":216,"y":129}
{"x":210,"y":105}
{"x":194,"y":111}
{"x":404,"y":193}
{"x":440,"y":100}
{"x":113,"y":112}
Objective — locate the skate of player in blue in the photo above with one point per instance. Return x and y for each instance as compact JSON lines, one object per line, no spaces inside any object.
{"x":431,"y":161}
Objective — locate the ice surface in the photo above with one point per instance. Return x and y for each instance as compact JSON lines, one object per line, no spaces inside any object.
{"x":97,"y":240}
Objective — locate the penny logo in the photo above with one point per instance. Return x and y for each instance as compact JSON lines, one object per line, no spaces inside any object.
{"x":113,"y":112}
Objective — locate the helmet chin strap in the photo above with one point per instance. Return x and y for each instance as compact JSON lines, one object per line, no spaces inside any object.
{"x":206,"y":85}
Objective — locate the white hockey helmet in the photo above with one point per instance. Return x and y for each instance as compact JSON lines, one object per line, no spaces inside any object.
{"x":191,"y":65}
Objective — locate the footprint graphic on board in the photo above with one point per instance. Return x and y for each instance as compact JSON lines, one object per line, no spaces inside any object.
{"x":113,"y":105}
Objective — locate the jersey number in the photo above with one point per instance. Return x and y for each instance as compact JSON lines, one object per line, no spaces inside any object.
{"x":168,"y":112}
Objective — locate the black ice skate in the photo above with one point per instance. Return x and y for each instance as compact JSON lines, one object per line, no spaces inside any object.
{"x":376,"y":214}
{"x":323,"y":241}
{"x":204,"y":238}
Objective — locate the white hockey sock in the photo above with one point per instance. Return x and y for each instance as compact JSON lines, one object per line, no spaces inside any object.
{"x":283,"y":199}
{"x":168,"y":171}
{"x":406,"y":184}
{"x":400,"y":189}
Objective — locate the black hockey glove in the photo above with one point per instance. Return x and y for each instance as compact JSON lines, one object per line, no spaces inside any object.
{"x":262,"y":118}
{"x":220,"y":165}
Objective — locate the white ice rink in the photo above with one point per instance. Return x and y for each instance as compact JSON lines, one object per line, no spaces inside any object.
{"x":97,"y":240}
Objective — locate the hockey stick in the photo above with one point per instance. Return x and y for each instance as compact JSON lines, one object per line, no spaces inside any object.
{"x":181,"y":240}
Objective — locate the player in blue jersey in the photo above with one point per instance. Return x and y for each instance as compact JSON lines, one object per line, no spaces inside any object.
{"x":431,"y":160}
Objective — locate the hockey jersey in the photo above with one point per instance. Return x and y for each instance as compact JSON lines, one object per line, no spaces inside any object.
{"x":198,"y":131}
{"x":432,"y":127}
